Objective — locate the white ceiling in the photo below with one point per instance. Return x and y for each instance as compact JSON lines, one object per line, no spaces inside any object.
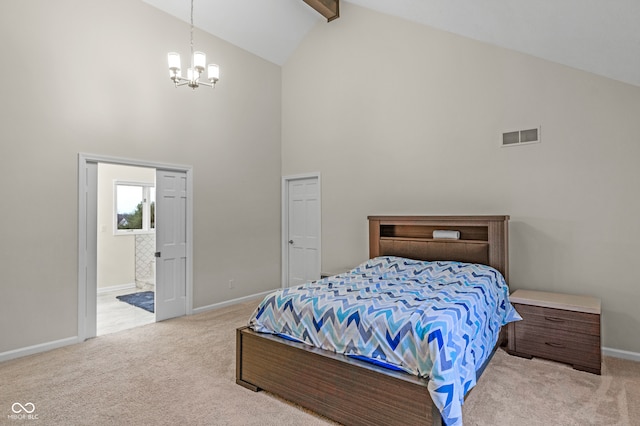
{"x":599,"y":36}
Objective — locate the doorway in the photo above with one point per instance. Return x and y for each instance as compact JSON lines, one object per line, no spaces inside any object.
{"x":173,"y":246}
{"x":301,"y":229}
{"x":126,"y":243}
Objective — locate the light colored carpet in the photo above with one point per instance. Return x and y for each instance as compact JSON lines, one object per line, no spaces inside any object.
{"x":517,"y":391}
{"x":182,"y":372}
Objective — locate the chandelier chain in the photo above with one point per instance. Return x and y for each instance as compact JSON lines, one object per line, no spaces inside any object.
{"x":191,"y":33}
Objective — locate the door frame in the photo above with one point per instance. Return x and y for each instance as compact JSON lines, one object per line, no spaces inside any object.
{"x":285,"y":222}
{"x":88,"y":229}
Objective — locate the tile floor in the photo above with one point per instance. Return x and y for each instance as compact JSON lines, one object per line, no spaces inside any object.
{"x":114,"y":315}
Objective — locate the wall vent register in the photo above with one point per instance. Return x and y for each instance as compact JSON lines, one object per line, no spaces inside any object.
{"x":521,"y":137}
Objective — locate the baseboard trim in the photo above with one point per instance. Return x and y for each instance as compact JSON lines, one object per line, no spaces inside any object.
{"x":42,"y":347}
{"x":231,"y":302}
{"x":618,"y":353}
{"x":102,"y":290}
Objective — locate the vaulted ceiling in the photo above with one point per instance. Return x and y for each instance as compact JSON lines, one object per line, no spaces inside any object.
{"x":599,"y":36}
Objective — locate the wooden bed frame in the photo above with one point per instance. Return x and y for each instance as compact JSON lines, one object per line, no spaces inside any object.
{"x":354,"y":392}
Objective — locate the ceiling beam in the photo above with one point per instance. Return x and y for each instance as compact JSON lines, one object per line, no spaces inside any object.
{"x":330,"y":9}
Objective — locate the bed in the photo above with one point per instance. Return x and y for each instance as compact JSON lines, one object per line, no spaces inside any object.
{"x":355,"y":391}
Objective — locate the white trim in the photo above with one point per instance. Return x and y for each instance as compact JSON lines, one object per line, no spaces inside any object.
{"x":189,"y":247}
{"x":284,"y":229}
{"x":231,"y":302}
{"x":87,"y":171}
{"x":619,"y":353}
{"x":84,"y":251}
{"x":102,"y":290}
{"x":42,"y":347}
{"x":82,"y":243}
{"x":95,"y":158}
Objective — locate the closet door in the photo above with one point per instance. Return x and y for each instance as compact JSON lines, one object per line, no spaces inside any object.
{"x":303,"y":230}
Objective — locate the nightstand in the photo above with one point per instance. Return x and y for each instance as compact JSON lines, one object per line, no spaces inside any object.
{"x":559,"y":327}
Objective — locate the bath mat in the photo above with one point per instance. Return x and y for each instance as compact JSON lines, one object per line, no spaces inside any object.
{"x":142,"y":300}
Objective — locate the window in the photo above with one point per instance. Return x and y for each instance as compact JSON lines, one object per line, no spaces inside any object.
{"x":135,"y":208}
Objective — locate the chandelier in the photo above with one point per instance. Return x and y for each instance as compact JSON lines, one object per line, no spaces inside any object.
{"x":198,"y":61}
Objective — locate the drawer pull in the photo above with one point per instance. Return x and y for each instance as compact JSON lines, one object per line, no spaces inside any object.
{"x":553,"y":319}
{"x":554,"y":345}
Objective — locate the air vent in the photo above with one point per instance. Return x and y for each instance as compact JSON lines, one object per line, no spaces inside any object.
{"x":521,"y":137}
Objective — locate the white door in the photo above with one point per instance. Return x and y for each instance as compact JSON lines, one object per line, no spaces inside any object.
{"x":303,"y":230}
{"x":171,"y":244}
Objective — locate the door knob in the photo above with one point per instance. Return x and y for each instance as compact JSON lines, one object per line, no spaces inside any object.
{"x":157,"y":254}
{"x":290,"y":241}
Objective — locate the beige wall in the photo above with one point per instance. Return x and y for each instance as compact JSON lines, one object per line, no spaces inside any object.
{"x":404,"y":119}
{"x":398,"y":118}
{"x":91,"y":76}
{"x":116,"y":253}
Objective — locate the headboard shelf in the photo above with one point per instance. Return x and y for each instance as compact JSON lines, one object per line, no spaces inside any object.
{"x":443,"y":240}
{"x":483,"y":239}
{"x":426,"y":231}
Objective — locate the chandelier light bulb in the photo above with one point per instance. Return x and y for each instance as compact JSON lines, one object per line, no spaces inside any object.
{"x":199,"y":61}
{"x":174,"y":61}
{"x":213,"y":73}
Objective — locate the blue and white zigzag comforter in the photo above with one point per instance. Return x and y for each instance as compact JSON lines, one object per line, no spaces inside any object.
{"x":439,"y":320}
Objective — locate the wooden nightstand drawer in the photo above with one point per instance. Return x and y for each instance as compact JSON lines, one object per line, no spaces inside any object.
{"x":581,"y":350}
{"x":558,"y":319}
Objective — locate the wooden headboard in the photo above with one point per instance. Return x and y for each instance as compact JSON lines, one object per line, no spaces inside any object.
{"x":483,"y":239}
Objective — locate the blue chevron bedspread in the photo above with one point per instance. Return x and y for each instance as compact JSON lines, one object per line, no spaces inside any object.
{"x":439,"y":320}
